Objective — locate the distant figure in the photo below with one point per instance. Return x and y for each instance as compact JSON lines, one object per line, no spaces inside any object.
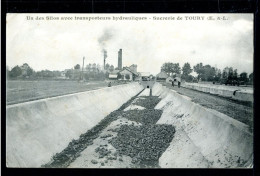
{"x":179,"y":84}
{"x":172,"y":83}
{"x":109,"y":84}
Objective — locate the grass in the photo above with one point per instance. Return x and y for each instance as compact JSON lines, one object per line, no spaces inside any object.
{"x":18,"y":91}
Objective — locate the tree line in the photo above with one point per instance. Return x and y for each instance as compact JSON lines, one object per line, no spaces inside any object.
{"x":206,"y":73}
{"x":90,"y":72}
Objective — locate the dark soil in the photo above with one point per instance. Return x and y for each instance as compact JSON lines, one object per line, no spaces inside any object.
{"x":147,"y":102}
{"x":145,"y":116}
{"x":144,"y":144}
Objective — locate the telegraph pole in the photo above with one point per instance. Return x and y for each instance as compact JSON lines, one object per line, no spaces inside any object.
{"x":83,"y":67}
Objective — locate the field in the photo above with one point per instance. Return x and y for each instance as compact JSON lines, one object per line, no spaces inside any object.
{"x":18,"y":91}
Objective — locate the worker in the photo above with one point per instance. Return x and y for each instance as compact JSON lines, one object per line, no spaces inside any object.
{"x":109,"y":84}
{"x":172,"y":83}
{"x":179,"y":84}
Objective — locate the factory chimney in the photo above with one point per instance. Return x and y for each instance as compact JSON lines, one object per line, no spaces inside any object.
{"x":105,"y":56}
{"x":120,"y":59}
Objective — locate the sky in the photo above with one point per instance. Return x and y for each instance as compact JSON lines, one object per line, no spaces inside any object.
{"x":61,"y":44}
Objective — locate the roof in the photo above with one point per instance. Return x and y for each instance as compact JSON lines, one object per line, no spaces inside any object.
{"x":145,"y":74}
{"x":162,"y":75}
{"x":128,"y":69}
{"x":114,"y":71}
{"x":169,"y":78}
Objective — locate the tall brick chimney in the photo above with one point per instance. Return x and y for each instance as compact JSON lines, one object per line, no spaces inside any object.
{"x":120,"y":59}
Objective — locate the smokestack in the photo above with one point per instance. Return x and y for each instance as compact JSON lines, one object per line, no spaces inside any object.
{"x":105,"y":56}
{"x":120,"y":59}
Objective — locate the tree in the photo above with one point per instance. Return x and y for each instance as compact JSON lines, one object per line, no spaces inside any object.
{"x":205,"y":73}
{"x":186,"y":69}
{"x":107,"y":66}
{"x":111,"y":68}
{"x":56,"y":73}
{"x":209,"y":73}
{"x":243,"y":77}
{"x":235,"y":75}
{"x":68,"y":74}
{"x":251,"y":78}
{"x":88,"y":67}
{"x":86,"y":76}
{"x":230,"y":73}
{"x":29,"y":71}
{"x":166,"y":67}
{"x":77,"y":67}
{"x":199,"y":70}
{"x":225,"y":73}
{"x":100,"y":76}
{"x":98,"y":68}
{"x":47,"y":73}
{"x":217,"y":74}
{"x":94,"y":67}
{"x":189,"y":78}
{"x":176,"y":68}
{"x":127,"y":76}
{"x":170,"y":68}
{"x":106,"y":75}
{"x":15,"y":72}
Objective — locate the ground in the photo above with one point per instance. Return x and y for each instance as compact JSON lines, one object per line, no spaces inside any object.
{"x":240,"y":111}
{"x":126,"y":138}
{"x":18,"y":91}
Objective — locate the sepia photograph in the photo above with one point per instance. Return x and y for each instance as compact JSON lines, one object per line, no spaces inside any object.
{"x":170,"y":90}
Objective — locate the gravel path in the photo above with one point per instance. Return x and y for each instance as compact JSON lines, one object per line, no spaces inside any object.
{"x":240,"y":111}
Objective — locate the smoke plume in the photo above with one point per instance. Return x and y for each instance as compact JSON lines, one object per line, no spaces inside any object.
{"x":105,"y":38}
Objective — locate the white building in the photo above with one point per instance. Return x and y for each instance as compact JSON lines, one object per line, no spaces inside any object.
{"x":126,"y":71}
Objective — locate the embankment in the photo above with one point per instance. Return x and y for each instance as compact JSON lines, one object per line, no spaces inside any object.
{"x":204,"y":138}
{"x":36,"y":130}
{"x":236,"y":93}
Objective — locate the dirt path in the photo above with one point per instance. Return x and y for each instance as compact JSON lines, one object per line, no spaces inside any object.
{"x":240,"y":111}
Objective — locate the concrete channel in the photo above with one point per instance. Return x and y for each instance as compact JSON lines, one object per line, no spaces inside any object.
{"x":179,"y":134}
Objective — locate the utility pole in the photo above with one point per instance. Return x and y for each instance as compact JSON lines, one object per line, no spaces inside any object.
{"x":105,"y":56}
{"x":83,"y":67}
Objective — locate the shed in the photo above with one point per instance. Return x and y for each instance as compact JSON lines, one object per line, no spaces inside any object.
{"x":161,"y":76}
{"x":169,"y":79}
